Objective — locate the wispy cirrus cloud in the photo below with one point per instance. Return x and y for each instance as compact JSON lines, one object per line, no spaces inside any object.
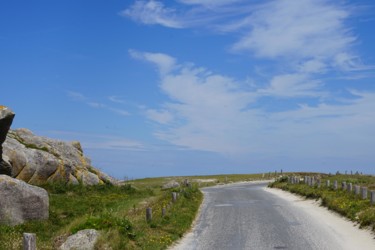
{"x":76,"y":96}
{"x":212,"y":112}
{"x":306,"y":41}
{"x":153,"y":12}
{"x":100,"y":141}
{"x":282,"y":30}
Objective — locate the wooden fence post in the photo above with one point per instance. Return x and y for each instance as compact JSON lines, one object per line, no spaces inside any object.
{"x":327,"y":183}
{"x":148,"y":214}
{"x":350,"y":188}
{"x":372,"y":199}
{"x":357,"y":189}
{"x":364,"y":193}
{"x":343,"y":185}
{"x":29,"y":241}
{"x":335,"y":185}
{"x":163,"y":211}
{"x":174,"y":196}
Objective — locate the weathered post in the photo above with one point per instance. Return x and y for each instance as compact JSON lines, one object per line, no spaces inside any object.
{"x":335,"y":185}
{"x":327,"y":183}
{"x":163,"y":211}
{"x":343,"y":185}
{"x":226,"y":179}
{"x":174,"y":196}
{"x":357,"y":189}
{"x":350,"y":188}
{"x":364,"y":193}
{"x":372,"y":199}
{"x":29,"y":241}
{"x":318,"y":183}
{"x":185,"y":182}
{"x":148,"y":214}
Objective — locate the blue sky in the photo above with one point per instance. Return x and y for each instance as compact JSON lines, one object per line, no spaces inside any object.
{"x":188,"y":87}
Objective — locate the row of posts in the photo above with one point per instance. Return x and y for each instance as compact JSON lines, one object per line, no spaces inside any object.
{"x":349,"y":187}
{"x":29,"y":239}
{"x":175,"y":196}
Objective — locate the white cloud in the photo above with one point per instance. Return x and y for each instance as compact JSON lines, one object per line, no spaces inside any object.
{"x":116,"y":99}
{"x":159,"y":116}
{"x":215,"y":113}
{"x":76,"y":96}
{"x":302,"y":29}
{"x":99,"y":141}
{"x":165,"y":63}
{"x":97,"y":105}
{"x":305,"y":30}
{"x":152,"y":12}
{"x":209,"y":3}
{"x":312,"y":67}
{"x":292,"y":85}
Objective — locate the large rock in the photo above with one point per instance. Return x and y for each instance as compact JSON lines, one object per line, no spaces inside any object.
{"x":82,"y":240}
{"x":38,"y":160}
{"x":20,"y":202}
{"x":6,"y":119}
{"x":171,"y":184}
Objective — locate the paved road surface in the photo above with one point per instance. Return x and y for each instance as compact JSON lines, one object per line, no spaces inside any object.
{"x":246,"y":216}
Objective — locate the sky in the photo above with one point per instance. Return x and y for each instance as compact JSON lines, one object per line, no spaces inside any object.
{"x":195,"y":87}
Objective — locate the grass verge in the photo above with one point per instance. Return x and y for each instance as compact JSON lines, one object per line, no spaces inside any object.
{"x":117,"y":211}
{"x":345,"y":203}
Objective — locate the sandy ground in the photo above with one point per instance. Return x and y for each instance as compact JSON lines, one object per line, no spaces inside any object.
{"x":346,"y":231}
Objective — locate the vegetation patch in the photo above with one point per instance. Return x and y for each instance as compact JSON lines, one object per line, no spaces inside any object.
{"x":117,"y":211}
{"x":345,"y":203}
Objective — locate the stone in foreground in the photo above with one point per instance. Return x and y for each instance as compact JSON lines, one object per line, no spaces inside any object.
{"x":82,"y":240}
{"x":21,"y":202}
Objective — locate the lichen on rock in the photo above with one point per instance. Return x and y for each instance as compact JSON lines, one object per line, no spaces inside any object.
{"x":37,"y":160}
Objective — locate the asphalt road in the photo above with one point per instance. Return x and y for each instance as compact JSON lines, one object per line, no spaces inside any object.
{"x":245,"y":216}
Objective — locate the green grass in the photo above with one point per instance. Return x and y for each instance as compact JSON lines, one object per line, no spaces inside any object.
{"x":118,"y":212}
{"x":347,"y":204}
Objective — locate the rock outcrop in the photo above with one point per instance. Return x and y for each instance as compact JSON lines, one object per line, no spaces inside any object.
{"x":38,"y":160}
{"x":6,"y":119}
{"x":21,"y":202}
{"x":83,"y":240}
